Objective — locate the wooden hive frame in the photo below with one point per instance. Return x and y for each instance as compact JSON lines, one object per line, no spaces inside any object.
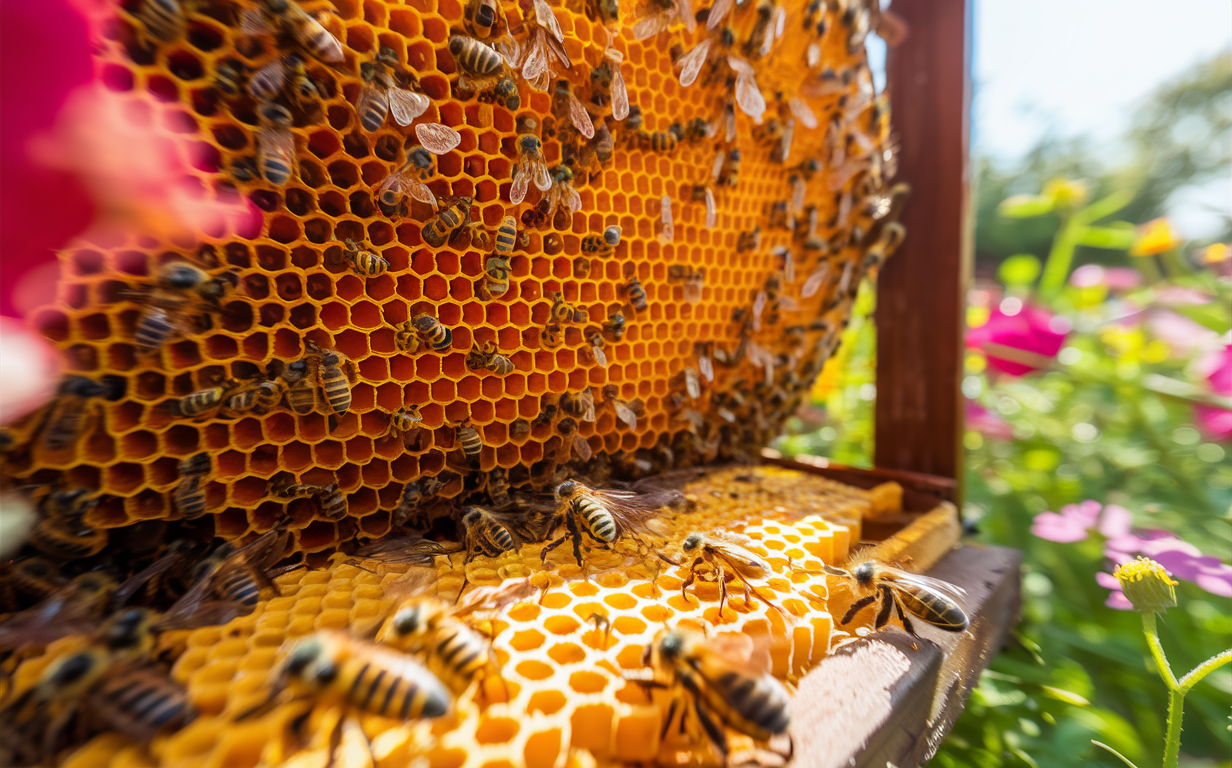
{"x":890,"y":699}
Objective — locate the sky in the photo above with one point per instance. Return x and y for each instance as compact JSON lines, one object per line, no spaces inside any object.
{"x":1079,"y":67}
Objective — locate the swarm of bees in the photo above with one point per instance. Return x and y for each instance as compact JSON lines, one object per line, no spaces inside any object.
{"x":430,"y":215}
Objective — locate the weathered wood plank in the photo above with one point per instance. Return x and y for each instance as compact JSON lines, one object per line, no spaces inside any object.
{"x":889,"y":698}
{"x":921,"y":291}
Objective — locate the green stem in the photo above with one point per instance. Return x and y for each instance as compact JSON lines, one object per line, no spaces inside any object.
{"x":1176,"y":697}
{"x":1202,"y":670}
{"x":1149,"y":269}
{"x":1060,"y":257}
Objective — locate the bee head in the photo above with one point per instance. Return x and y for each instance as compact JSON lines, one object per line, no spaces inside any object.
{"x":457,"y":44}
{"x":68,"y":672}
{"x":309,"y":662}
{"x":181,"y":276}
{"x":567,"y":490}
{"x":424,"y":322}
{"x":127,"y":629}
{"x":693,"y":542}
{"x":865,"y":572}
{"x":529,"y":143}
{"x":672,"y":646}
{"x":409,"y":621}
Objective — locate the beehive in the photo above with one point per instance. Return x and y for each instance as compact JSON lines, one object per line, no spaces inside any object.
{"x":292,"y":290}
{"x":568,"y":699}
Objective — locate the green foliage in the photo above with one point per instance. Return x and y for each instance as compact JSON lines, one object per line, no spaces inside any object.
{"x":1111,"y":419}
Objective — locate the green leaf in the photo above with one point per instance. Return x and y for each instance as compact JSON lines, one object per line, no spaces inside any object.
{"x":1025,"y":206}
{"x":1069,"y":697}
{"x":1019,"y":271}
{"x":1124,"y":759}
{"x":1113,"y":238}
{"x":1107,"y":206}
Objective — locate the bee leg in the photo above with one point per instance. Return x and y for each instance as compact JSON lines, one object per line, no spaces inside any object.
{"x":902,"y":616}
{"x":722,"y":590}
{"x":856,"y":607}
{"x":572,"y":526}
{"x":712,"y":729}
{"x":687,"y":582}
{"x":667,"y":722}
{"x":887,"y":608}
{"x":543,"y":553}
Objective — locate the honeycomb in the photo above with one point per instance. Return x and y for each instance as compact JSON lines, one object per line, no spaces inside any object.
{"x":295,"y":287}
{"x":564,"y":697}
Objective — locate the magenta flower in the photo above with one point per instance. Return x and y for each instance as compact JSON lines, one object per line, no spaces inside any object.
{"x":1183,"y":335}
{"x":1112,"y":278}
{"x":1071,"y":524}
{"x":1116,"y":598}
{"x":987,"y":423}
{"x":1213,"y":422}
{"x":1028,"y":339}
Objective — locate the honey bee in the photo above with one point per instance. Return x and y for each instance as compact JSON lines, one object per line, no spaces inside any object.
{"x":227,"y":584}
{"x":447,"y":222}
{"x":105,"y":686}
{"x":204,"y":401}
{"x":470,"y":441}
{"x":506,"y":92}
{"x":406,"y":338}
{"x":450,"y":648}
{"x":605,"y":516}
{"x":164,"y":19}
{"x":69,"y":417}
{"x":267,"y":83}
{"x":543,"y":48}
{"x":78,"y":606}
{"x":256,"y":397}
{"x":597,"y":343}
{"x":608,"y":11}
{"x":654,"y":16}
{"x":486,"y":358}
{"x":433,"y":333}
{"x":530,"y":165}
{"x":571,"y":442}
{"x":333,"y":372}
{"x":626,"y":413}
{"x":551,"y":336}
{"x":33,"y":577}
{"x":565,"y":102}
{"x":228,"y":75}
{"x":507,"y":236}
{"x":295,"y":22}
{"x":933,"y":601}
{"x":496,"y":274}
{"x":636,"y":294}
{"x":382,"y":95}
{"x":411,"y":549}
{"x":420,"y":166}
{"x":480,"y":63}
{"x":749,"y":241}
{"x":614,"y":326}
{"x":275,"y":143}
{"x":61,"y":532}
{"x":363,"y":262}
{"x":332,"y":502}
{"x":414,"y":494}
{"x":718,"y":555}
{"x":562,"y":195}
{"x":491,"y":533}
{"x":180,"y":289}
{"x":483,"y":16}
{"x":728,"y":683}
{"x":580,"y":405}
{"x":608,"y":84}
{"x":564,"y":313}
{"x":668,"y":230}
{"x":406,"y":424}
{"x":498,"y":488}
{"x":658,"y":141}
{"x":374,"y":679}
{"x":604,"y":145}
{"x":190,"y":491}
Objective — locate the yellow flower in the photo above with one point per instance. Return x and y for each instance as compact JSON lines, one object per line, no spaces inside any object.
{"x":1066,"y":193}
{"x":1215,"y":253}
{"x":1153,"y":237}
{"x":1147,"y":585}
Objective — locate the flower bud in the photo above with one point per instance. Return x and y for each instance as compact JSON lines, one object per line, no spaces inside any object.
{"x":1146,"y":585}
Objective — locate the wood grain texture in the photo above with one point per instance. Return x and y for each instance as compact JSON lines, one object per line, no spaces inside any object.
{"x":921,"y":291}
{"x":889,"y":698}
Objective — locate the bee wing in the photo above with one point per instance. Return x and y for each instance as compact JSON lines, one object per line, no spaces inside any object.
{"x":436,"y":138}
{"x":64,"y":613}
{"x":798,"y":190}
{"x":928,"y":583}
{"x":370,"y":97}
{"x":278,"y":141}
{"x":547,"y":19}
{"x":691,"y":63}
{"x":625,"y":413}
{"x":706,"y":366}
{"x":813,"y":284}
{"x":759,"y":306}
{"x":803,"y":112}
{"x":684,"y":9}
{"x":579,"y":116}
{"x":253,"y":23}
{"x":767,"y":40}
{"x":413,"y":549}
{"x":536,"y":62}
{"x":581,"y":446}
{"x":406,"y":105}
{"x":420,"y":192}
{"x":716,"y":169}
{"x":268,"y":80}
{"x":600,"y":356}
{"x":733,"y":652}
{"x":543,"y":179}
{"x":650,"y":26}
{"x":521,"y":182}
{"x":620,"y":94}
{"x":785,"y":142}
{"x":396,"y":182}
{"x":528,"y":522}
{"x":573,"y":200}
{"x":495,"y":598}
{"x":139,"y":579}
{"x":632,"y":510}
{"x":712,"y":213}
{"x":718,"y":12}
{"x":732,"y":550}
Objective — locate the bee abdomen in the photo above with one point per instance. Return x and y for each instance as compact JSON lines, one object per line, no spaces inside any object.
{"x":337,"y":390}
{"x":406,"y":692}
{"x":56,"y":541}
{"x":163,"y":18}
{"x":374,"y":116}
{"x":762,"y":703}
{"x":142,"y":703}
{"x":153,"y":330}
{"x":598,"y":520}
{"x":275,"y":171}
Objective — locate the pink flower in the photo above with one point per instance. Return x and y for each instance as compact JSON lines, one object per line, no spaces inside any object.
{"x":1122,"y":278}
{"x":1116,"y":598}
{"x":44,"y":56}
{"x":1183,"y":335}
{"x":1019,"y":339}
{"x":1213,"y":422}
{"x":1176,"y":295}
{"x":1087,"y":276}
{"x":987,"y":423}
{"x":1069,"y":525}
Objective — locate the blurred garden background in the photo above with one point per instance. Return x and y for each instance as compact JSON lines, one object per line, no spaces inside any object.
{"x":1098,"y":375}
